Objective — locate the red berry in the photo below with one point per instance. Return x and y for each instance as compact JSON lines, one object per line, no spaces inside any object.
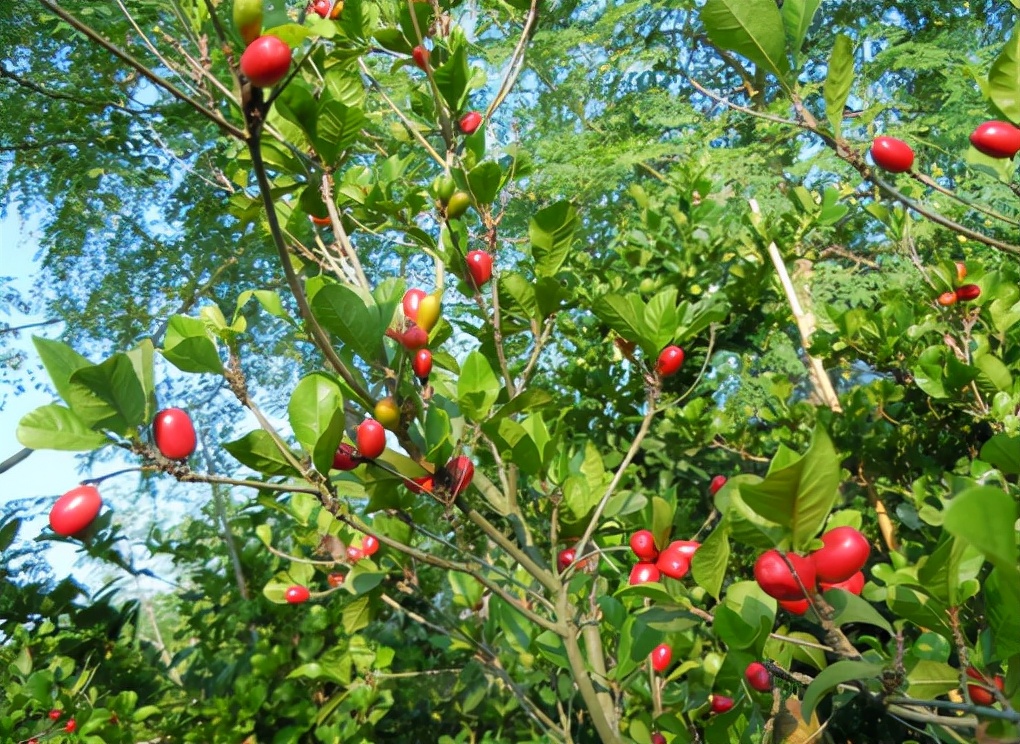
{"x":470,"y":122}
{"x":854,"y":585}
{"x":968,"y":292}
{"x":795,"y":606}
{"x":717,"y":483}
{"x":479,"y":265}
{"x":422,"y":365}
{"x":565,"y":558}
{"x":346,"y":457}
{"x":669,"y":362}
{"x":775,"y":578}
{"x":354,"y":554}
{"x":412,"y":299}
{"x":661,"y":657}
{"x":961,"y":271}
{"x":174,"y":434}
{"x":980,"y":695}
{"x":414,"y":338}
{"x":997,"y":139}
{"x":658,"y":738}
{"x":721,"y":703}
{"x":947,"y":298}
{"x":643,"y":573}
{"x":642,"y":543}
{"x":266,"y":61}
{"x":75,"y":510}
{"x":675,"y":560}
{"x":297,"y":594}
{"x":891,"y":154}
{"x":371,"y":438}
{"x":71,"y":726}
{"x":370,"y":544}
{"x":421,"y":484}
{"x":461,"y":472}
{"x":844,"y":553}
{"x":758,"y":677}
{"x":321,"y":221}
{"x":55,"y":714}
{"x":420,"y":55}
{"x":321,"y":8}
{"x":335,"y":579}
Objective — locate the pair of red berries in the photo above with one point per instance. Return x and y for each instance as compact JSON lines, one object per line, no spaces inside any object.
{"x":326,"y":9}
{"x":965,"y":293}
{"x":842,"y":556}
{"x":674,"y":561}
{"x":981,"y":694}
{"x":997,"y":139}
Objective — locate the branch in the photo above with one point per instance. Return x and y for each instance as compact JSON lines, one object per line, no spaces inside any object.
{"x":408,"y":124}
{"x":516,"y":61}
{"x":144,"y":71}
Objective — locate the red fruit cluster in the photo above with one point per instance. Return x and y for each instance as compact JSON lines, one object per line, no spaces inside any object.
{"x":265,"y":61}
{"x":836,"y":565}
{"x":981,"y":694}
{"x":996,"y":139}
{"x":674,"y":561}
{"x":891,"y":154}
{"x":369,"y":547}
{"x":963,"y":293}
{"x":174,"y":434}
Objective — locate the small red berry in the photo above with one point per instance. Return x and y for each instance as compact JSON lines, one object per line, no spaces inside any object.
{"x":758,"y":677}
{"x":422,"y":365}
{"x":721,"y":703}
{"x":370,"y":544}
{"x":70,"y":727}
{"x":891,"y":154}
{"x":643,"y":573}
{"x":565,"y":558}
{"x":420,"y":55}
{"x":321,"y":8}
{"x":968,"y":292}
{"x":461,"y":472}
{"x":479,"y":265}
{"x":642,"y":543}
{"x":335,"y":579}
{"x":412,"y":299}
{"x":947,"y":298}
{"x":346,"y":457}
{"x":414,"y":338}
{"x":795,"y":606}
{"x":961,"y":271}
{"x":174,"y":434}
{"x":717,"y":483}
{"x":55,"y":714}
{"x":470,"y":122}
{"x":661,"y":657}
{"x":266,"y":61}
{"x":75,"y":510}
{"x":297,"y":594}
{"x":421,"y":484}
{"x":658,"y":738}
{"x":354,"y":554}
{"x":669,"y":362}
{"x":371,"y":438}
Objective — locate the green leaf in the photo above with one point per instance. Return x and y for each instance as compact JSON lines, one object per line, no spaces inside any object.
{"x":751,"y":28}
{"x":832,"y":676}
{"x":838,"y":81}
{"x":338,"y":127}
{"x":517,"y":294}
{"x":258,"y":451}
{"x":1004,"y":78}
{"x":484,"y":180}
{"x":108,"y":395}
{"x":58,"y":428}
{"x":852,"y":609}
{"x":929,"y":679}
{"x":452,"y":78}
{"x":363,"y":578}
{"x":551,"y":232}
{"x":23,"y":661}
{"x":8,"y":531}
{"x":141,"y":359}
{"x":60,"y":361}
{"x":355,"y":319}
{"x":551,"y":647}
{"x":316,"y":412}
{"x":986,"y":517}
{"x":797,"y":17}
{"x":800,"y":495}
{"x":357,"y":614}
{"x":1002,"y":597}
{"x":660,"y":317}
{"x":477,"y":386}
{"x":745,"y":617}
{"x":625,"y":314}
{"x":189,"y":346}
{"x":662,"y":521}
{"x":708,"y":566}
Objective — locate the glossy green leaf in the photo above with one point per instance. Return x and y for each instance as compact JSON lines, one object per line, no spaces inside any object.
{"x":832,"y":676}
{"x":625,"y":314}
{"x":1002,"y":597}
{"x":60,"y":361}
{"x":708,"y":566}
{"x":258,"y":451}
{"x":484,"y":181}
{"x":108,"y":395}
{"x":552,"y":232}
{"x":141,"y":359}
{"x":800,"y":495}
{"x":338,"y":127}
{"x":352,"y":317}
{"x":316,"y":412}
{"x":452,"y":77}
{"x":751,"y":28}
{"x":58,"y":428}
{"x":797,"y":18}
{"x":356,"y":615}
{"x":986,"y":517}
{"x":928,"y":680}
{"x":1004,"y":77}
{"x":838,"y":80}
{"x":477,"y":386}
{"x":189,"y":346}
{"x":852,"y":609}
